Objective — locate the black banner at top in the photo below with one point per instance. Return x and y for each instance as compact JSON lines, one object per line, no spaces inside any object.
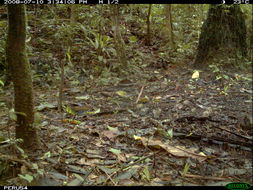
{"x":127,"y":2}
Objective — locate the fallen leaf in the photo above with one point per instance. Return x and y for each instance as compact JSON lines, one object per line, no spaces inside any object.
{"x":115,"y":151}
{"x":82,"y":97}
{"x":145,"y":175}
{"x":71,"y":121}
{"x":113,"y":129}
{"x":89,"y":162}
{"x":75,"y":182}
{"x":174,"y":150}
{"x":107,"y":170}
{"x":27,"y":177}
{"x":46,"y":106}
{"x":195,"y":75}
{"x":69,"y":110}
{"x":94,"y":112}
{"x":121,"y":93}
{"x":128,"y":174}
{"x":109,"y":134}
{"x":144,"y":99}
{"x":74,"y":137}
{"x":126,"y":182}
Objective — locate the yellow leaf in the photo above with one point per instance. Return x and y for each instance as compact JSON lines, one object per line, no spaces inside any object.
{"x":69,"y":110}
{"x":121,"y":93}
{"x":115,"y":130}
{"x":189,"y":134}
{"x":195,"y":75}
{"x":144,"y":99}
{"x":94,"y":112}
{"x":137,"y":137}
{"x":202,"y":154}
{"x":1,"y":83}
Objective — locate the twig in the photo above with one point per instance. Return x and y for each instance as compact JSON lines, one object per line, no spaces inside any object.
{"x":238,"y":135}
{"x":61,"y":86}
{"x":87,"y":175}
{"x":139,"y":95}
{"x":207,"y":177}
{"x":109,"y":177}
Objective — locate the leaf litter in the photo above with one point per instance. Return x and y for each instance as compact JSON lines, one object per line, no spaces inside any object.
{"x":165,"y":131}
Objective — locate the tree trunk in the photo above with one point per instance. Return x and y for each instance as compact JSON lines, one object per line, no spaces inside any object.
{"x":251,"y":49}
{"x":223,"y":33}
{"x":73,"y":13}
{"x":148,"y":37}
{"x":119,"y":42}
{"x":21,"y":76}
{"x":168,"y":21}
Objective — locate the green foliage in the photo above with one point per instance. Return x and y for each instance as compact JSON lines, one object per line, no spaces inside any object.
{"x":31,"y":175}
{"x":115,"y":151}
{"x":1,"y":83}
{"x":133,"y":39}
{"x":170,"y":133}
{"x":91,"y":37}
{"x":247,"y":15}
{"x":26,"y":177}
{"x":186,"y":169}
{"x":12,"y":115}
{"x":102,"y":45}
{"x":69,"y":110}
{"x":145,"y":175}
{"x":217,"y":70}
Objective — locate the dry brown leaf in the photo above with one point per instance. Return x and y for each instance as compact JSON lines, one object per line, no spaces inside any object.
{"x":109,"y":134}
{"x":121,"y":157}
{"x":90,"y":162}
{"x":175,"y":151}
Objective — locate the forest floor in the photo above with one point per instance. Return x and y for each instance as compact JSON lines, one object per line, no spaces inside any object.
{"x":157,"y":127}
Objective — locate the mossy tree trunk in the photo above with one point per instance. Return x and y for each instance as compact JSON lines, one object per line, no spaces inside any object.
{"x":21,"y":76}
{"x":223,"y":33}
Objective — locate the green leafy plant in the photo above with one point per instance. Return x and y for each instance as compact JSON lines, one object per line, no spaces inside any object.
{"x":27,"y":177}
{"x":215,"y":68}
{"x":69,"y":110}
{"x":186,"y":169}
{"x":33,"y":173}
{"x":101,"y":44}
{"x":225,"y":89}
{"x":1,"y":83}
{"x":100,"y":41}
